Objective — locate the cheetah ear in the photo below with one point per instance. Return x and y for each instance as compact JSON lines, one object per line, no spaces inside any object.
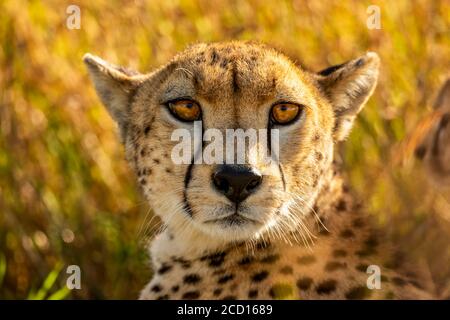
{"x":348,"y":86}
{"x":443,"y":98}
{"x":114,"y":85}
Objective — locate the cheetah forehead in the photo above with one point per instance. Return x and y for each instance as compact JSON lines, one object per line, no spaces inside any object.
{"x":221,"y":72}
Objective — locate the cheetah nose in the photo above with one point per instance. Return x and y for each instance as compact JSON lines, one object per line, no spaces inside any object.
{"x":236,"y":182}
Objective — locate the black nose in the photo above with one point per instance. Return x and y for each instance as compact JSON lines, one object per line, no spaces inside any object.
{"x":236,"y":182}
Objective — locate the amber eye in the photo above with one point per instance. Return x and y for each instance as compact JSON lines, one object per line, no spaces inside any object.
{"x":185,"y":110}
{"x":284,"y":113}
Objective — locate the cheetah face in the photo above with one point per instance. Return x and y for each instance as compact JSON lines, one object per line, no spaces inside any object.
{"x":233,"y":86}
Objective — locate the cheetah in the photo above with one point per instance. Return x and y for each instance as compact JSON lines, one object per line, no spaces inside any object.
{"x":435,"y":147}
{"x":289,"y":229}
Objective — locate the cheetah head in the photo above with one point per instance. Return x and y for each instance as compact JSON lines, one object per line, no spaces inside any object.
{"x":234,"y":85}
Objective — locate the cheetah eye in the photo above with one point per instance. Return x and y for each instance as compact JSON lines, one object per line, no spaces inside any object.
{"x":185,"y":110}
{"x":285,"y":113}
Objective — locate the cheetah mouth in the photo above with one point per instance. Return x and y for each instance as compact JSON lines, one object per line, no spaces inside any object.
{"x":234,"y":219}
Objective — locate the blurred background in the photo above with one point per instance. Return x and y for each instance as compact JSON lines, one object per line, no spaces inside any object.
{"x":67,"y":196}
